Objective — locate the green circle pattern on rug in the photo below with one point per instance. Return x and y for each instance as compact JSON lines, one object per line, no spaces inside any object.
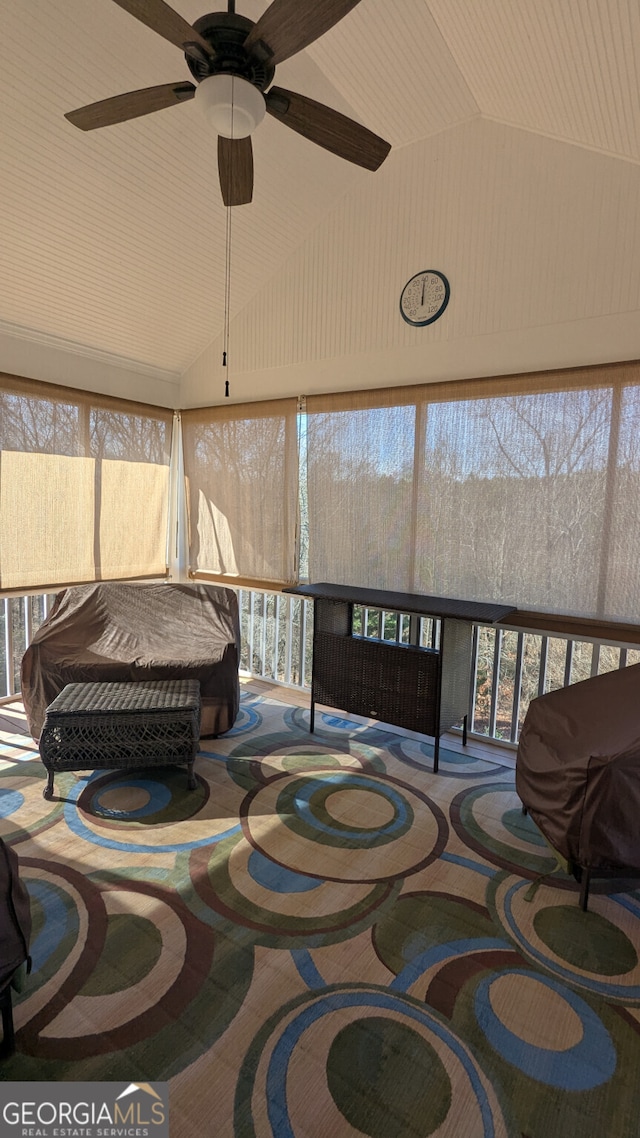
{"x":389,"y":1063}
{"x":489,"y":820}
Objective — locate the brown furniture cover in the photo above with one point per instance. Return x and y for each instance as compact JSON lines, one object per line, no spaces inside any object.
{"x":148,"y":631}
{"x":578,"y":769}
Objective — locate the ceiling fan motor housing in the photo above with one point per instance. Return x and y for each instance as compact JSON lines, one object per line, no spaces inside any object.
{"x":226,"y":32}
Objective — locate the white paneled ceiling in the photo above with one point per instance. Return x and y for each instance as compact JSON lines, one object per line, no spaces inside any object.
{"x":568,"y":68}
{"x":113,"y":241}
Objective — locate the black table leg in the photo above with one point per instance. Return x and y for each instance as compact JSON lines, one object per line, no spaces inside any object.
{"x":8,"y":1045}
{"x":48,"y":790}
{"x":584,"y":889}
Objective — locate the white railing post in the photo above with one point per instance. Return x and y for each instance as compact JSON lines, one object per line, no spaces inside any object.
{"x":517,"y":688}
{"x":252,"y":597}
{"x":10,"y":686}
{"x":263,"y":637}
{"x":495,"y":682}
{"x":276,"y":637}
{"x":542,"y":669}
{"x":28,"y":621}
{"x":303,"y":641}
{"x":288,"y":646}
{"x":473,"y":684}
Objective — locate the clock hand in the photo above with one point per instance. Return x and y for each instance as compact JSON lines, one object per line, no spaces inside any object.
{"x":424,"y":285}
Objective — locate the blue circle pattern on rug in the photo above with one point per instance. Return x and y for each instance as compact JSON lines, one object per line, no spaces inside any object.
{"x":56,"y":920}
{"x":10,"y":801}
{"x":159,"y":798}
{"x":78,"y":826}
{"x":587,"y":1064}
{"x":278,"y":878}
{"x":248,"y":719}
{"x":304,"y":807}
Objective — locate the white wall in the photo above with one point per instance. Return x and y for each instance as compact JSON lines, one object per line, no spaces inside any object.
{"x":539,"y":240}
{"x":56,"y":361}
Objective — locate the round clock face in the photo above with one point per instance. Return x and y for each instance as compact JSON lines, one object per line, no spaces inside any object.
{"x":424,"y":298}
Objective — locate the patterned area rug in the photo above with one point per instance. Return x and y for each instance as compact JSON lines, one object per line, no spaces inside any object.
{"x":324,"y":940}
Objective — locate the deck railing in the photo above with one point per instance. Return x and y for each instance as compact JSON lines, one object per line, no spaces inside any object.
{"x":510,"y":666}
{"x":20,"y":616}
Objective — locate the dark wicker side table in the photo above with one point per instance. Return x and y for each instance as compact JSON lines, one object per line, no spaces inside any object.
{"x":420,"y":689}
{"x":124,"y":726}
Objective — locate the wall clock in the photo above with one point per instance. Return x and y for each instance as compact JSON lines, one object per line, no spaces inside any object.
{"x":424,"y":297}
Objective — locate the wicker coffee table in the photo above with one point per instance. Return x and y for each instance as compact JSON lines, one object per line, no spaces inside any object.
{"x":124,"y":726}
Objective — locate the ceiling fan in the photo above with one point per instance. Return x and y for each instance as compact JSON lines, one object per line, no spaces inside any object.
{"x":233,"y":61}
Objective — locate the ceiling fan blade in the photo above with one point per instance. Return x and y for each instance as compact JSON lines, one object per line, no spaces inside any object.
{"x":131,"y":105}
{"x":235,"y":168}
{"x":162,"y":19}
{"x":287,"y":25}
{"x":328,"y":128}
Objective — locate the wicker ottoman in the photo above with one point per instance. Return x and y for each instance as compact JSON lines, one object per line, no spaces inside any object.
{"x":102,"y":726}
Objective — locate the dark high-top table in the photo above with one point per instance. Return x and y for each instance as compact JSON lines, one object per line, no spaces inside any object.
{"x":420,"y":689}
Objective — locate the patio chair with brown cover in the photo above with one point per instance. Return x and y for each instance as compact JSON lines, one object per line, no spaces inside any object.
{"x":128,"y":632}
{"x":578,"y":772}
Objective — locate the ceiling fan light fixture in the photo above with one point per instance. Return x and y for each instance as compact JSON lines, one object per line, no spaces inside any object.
{"x":232,"y":106}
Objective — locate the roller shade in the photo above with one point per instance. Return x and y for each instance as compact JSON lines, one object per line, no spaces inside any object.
{"x":84,"y":483}
{"x":241,"y":470}
{"x":522,"y":489}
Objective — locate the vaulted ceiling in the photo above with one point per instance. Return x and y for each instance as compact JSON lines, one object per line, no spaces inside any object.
{"x":514,"y":170}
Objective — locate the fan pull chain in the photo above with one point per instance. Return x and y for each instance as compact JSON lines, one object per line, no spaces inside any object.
{"x":227,"y":266}
{"x":227,"y":299}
